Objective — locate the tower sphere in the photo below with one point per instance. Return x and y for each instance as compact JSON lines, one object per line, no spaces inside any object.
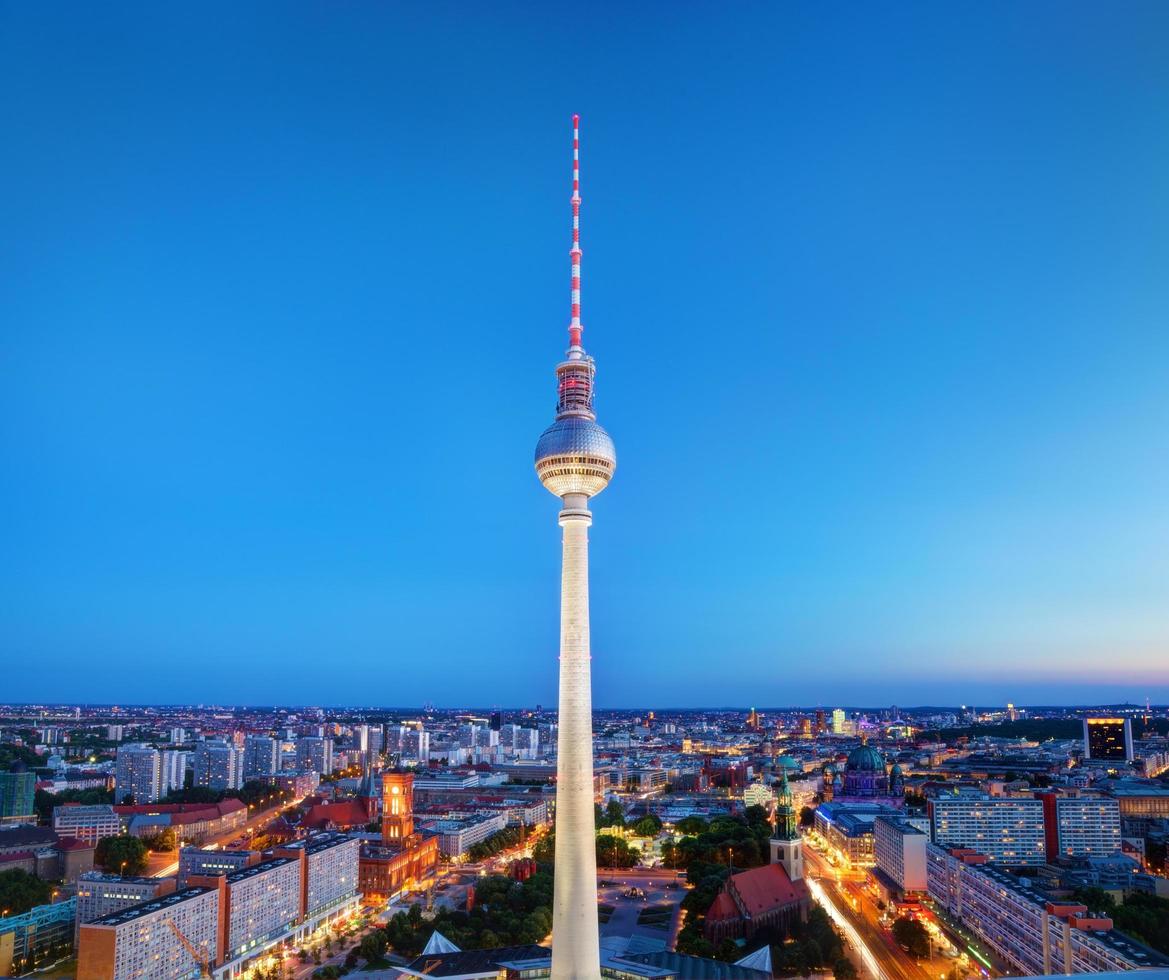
{"x":575,"y":455}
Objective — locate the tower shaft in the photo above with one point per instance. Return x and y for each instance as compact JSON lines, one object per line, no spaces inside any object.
{"x":575,"y":939}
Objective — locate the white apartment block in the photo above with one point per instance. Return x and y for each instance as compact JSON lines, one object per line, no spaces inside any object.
{"x":265,"y":903}
{"x":458,"y":834}
{"x":138,"y":942}
{"x":899,"y":852}
{"x":1084,"y":827}
{"x":315,"y":753}
{"x":1036,"y":935}
{"x":174,"y":769}
{"x":1008,"y":831}
{"x":101,"y":894}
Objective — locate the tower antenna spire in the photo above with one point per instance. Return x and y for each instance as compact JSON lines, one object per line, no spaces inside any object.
{"x":574,"y":327}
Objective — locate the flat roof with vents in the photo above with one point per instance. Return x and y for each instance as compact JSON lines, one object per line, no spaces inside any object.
{"x":149,"y":907}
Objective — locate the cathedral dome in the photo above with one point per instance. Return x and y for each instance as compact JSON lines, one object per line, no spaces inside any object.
{"x":865,"y":759}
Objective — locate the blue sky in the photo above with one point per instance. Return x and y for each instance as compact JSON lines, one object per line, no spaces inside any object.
{"x":878,"y":296}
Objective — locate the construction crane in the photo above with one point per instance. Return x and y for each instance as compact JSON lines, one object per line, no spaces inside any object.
{"x":201,"y":957}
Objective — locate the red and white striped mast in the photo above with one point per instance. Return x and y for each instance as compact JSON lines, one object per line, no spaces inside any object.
{"x":574,"y":327}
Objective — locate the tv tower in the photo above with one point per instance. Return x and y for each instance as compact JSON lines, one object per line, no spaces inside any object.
{"x":575,"y":459}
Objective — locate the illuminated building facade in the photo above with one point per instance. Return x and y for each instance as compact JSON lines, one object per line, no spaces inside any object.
{"x":404,"y":856}
{"x":1007,"y":830}
{"x":1108,"y":739}
{"x":1080,"y":826}
{"x":227,"y":919}
{"x":575,"y":459}
{"x":1037,"y":936}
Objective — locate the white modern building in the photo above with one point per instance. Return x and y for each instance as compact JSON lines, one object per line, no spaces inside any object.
{"x":1008,"y":830}
{"x":575,"y":460}
{"x":1081,"y":826}
{"x":899,"y":853}
{"x":175,"y":763}
{"x":1037,"y":936}
{"x":458,"y":834}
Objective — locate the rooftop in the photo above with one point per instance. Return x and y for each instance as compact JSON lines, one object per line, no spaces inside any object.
{"x":150,"y":907}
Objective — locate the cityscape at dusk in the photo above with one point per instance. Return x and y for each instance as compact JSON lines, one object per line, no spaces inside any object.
{"x":835,"y":643}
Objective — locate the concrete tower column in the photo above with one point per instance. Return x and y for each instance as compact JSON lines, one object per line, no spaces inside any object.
{"x":575,"y":939}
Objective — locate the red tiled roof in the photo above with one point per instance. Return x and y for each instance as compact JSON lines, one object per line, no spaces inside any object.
{"x":73,"y":844}
{"x":16,"y":856}
{"x":347,"y":813}
{"x":722,"y":908}
{"x":766,"y":888}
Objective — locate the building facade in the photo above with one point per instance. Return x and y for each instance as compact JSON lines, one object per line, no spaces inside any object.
{"x":138,"y":774}
{"x":17,"y":794}
{"x":1037,"y":936}
{"x":1080,"y":826}
{"x":218,"y":765}
{"x":899,"y":854}
{"x":1007,"y":830}
{"x":88,"y":823}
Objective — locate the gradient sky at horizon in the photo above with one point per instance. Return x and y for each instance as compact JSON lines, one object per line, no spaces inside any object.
{"x":878,"y":295}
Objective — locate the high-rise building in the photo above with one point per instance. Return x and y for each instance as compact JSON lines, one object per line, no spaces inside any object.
{"x":1108,"y":739}
{"x":1006,"y":830}
{"x":175,"y":763}
{"x":261,"y":757}
{"x":496,"y":720}
{"x":839,"y":718}
{"x":575,"y":459}
{"x":900,"y":856}
{"x":821,"y":722}
{"x":138,"y":773}
{"x":315,"y":753}
{"x":115,"y":733}
{"x":218,"y":765}
{"x":18,"y":789}
{"x":1080,"y":826}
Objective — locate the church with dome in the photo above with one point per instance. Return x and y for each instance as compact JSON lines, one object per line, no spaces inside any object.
{"x":865,"y":777}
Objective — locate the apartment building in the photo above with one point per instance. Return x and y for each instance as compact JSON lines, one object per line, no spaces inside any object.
{"x":1036,"y":935}
{"x":1009,"y":831}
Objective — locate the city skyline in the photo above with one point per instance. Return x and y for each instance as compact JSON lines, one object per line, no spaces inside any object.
{"x":889,"y":284}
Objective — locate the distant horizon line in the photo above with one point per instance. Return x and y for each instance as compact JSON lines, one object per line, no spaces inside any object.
{"x":423,"y":709}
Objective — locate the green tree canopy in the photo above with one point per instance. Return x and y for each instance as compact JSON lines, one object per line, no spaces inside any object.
{"x":614,"y":852}
{"x":124,"y":855}
{"x":911,"y":935}
{"x":20,"y":891}
{"x":648,"y":826}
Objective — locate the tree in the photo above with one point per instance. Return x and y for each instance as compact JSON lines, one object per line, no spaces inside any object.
{"x":912,"y":937}
{"x":613,"y":852}
{"x":20,"y":891}
{"x":648,"y":826}
{"x":614,"y":815}
{"x":373,"y":946}
{"x":691,"y":826}
{"x":124,"y":854}
{"x":807,"y":817}
{"x":843,"y":969}
{"x":165,"y":841}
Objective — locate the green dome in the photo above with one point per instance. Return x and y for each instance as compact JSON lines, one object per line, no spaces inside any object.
{"x":865,"y":759}
{"x":788,"y":762}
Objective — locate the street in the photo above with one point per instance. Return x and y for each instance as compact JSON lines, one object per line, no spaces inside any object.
{"x":161,"y":864}
{"x":853,"y":911}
